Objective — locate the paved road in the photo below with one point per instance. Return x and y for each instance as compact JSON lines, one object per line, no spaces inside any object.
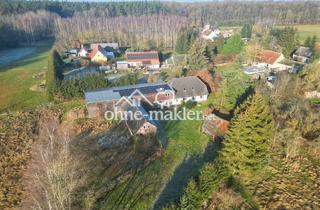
{"x":11,"y":55}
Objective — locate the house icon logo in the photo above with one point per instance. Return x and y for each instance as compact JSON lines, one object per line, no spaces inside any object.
{"x":134,"y":100}
{"x":164,"y":98}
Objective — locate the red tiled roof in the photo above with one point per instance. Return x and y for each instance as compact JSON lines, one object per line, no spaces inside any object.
{"x":93,"y":52}
{"x":207,"y":32}
{"x":268,"y":56}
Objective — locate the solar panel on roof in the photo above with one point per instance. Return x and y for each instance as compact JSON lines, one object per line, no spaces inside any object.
{"x":143,"y":56}
{"x":144,"y":90}
{"x":117,"y":92}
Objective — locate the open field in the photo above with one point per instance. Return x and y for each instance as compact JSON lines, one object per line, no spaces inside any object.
{"x":303,"y":30}
{"x":308,"y":30}
{"x":17,"y":77}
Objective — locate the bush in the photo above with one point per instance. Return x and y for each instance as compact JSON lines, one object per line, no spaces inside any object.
{"x":189,"y":104}
{"x":234,"y":45}
{"x":75,"y":88}
{"x":54,"y":74}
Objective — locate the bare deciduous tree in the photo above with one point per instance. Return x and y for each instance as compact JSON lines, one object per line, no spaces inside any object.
{"x":52,"y":173}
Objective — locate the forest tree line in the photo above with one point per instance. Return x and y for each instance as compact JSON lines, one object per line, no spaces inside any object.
{"x":199,"y":13}
{"x":137,"y":24}
{"x":156,"y":31}
{"x":26,"y":28}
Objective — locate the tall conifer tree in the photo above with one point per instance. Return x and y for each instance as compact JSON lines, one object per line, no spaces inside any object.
{"x":248,"y":140}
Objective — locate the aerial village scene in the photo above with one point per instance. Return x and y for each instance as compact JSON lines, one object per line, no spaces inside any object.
{"x":166,"y":105}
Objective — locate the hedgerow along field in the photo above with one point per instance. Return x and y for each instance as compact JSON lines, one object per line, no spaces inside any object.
{"x":17,"y":77}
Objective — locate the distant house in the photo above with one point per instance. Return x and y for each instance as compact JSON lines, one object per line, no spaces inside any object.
{"x":83,"y":52}
{"x":188,"y":89}
{"x":302,"y":55}
{"x":99,"y":101}
{"x":110,"y":55}
{"x":143,"y":59}
{"x":122,"y":65}
{"x":212,"y":34}
{"x":98,"y":55}
{"x":272,"y":60}
{"x":109,"y":47}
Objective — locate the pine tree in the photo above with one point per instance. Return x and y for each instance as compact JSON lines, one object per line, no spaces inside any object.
{"x":313,"y":42}
{"x":197,"y":55}
{"x":246,"y":31}
{"x":211,"y":176}
{"x":248,"y":140}
{"x":192,"y":198}
{"x":308,"y":41}
{"x":234,"y":45}
{"x":182,"y":44}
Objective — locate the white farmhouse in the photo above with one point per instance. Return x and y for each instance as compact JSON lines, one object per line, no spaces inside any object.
{"x":188,"y":89}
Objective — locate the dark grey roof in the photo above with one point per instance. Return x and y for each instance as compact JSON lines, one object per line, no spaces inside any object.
{"x":188,"y":87}
{"x":116,"y":93}
{"x":304,"y":51}
{"x":142,"y":55}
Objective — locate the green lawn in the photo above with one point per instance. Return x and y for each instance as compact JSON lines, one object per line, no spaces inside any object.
{"x":163,"y":180}
{"x":16,"y":80}
{"x":303,"y":30}
{"x":308,"y":30}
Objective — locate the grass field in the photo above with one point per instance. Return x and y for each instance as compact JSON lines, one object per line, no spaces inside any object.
{"x":308,"y":30}
{"x":164,"y":179}
{"x":16,"y":79}
{"x":303,"y":30}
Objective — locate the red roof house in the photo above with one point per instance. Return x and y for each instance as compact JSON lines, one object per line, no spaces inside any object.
{"x":269,"y":57}
{"x":146,"y":59}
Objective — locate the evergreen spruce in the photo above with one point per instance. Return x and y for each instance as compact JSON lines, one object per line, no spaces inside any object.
{"x":248,"y":140}
{"x":246,"y":31}
{"x":192,"y":197}
{"x":197,"y":55}
{"x":233,"y":46}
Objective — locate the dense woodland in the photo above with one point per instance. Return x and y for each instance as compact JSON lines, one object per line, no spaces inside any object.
{"x":155,"y":31}
{"x":27,"y":21}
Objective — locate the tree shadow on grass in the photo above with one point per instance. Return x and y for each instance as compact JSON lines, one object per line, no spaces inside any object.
{"x":27,"y":59}
{"x":184,"y":172}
